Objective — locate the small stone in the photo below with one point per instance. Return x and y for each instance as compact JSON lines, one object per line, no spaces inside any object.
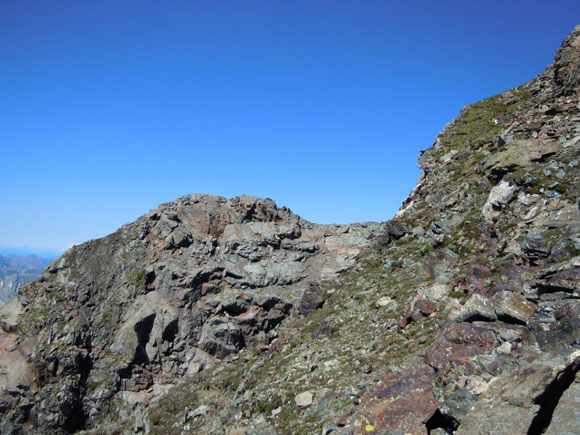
{"x":304,"y":400}
{"x":534,"y":245}
{"x":418,"y":231}
{"x":384,"y":301}
{"x":425,"y":306}
{"x":505,"y":348}
{"x":351,"y":391}
{"x":390,"y":265}
{"x":197,"y":412}
{"x":408,"y":262}
{"x":436,"y":292}
{"x":329,"y":365}
{"x":509,"y":336}
{"x":575,"y":239}
{"x":416,"y":316}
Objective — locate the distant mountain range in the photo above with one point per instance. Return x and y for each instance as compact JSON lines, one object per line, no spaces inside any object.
{"x":16,"y":270}
{"x":47,"y":254}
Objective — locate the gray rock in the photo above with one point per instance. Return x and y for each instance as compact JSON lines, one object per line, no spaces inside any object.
{"x":436,"y":292}
{"x":535,"y":246}
{"x":385,"y":301}
{"x":499,"y":196}
{"x":575,"y":238}
{"x":567,"y":414}
{"x":567,"y":67}
{"x":220,"y":338}
{"x":519,"y":153}
{"x":477,"y":307}
{"x":304,"y":400}
{"x":197,"y":412}
{"x":389,"y":265}
{"x":512,"y":307}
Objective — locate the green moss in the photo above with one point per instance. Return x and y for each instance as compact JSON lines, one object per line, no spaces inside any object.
{"x":475,"y":159}
{"x":457,"y":294}
{"x":137,"y":279}
{"x":429,"y":342}
{"x":402,"y":241}
{"x":476,"y":125}
{"x":425,"y":249}
{"x":92,"y":385}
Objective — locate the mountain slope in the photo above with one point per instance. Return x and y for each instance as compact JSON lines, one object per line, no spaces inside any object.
{"x":214,"y":316}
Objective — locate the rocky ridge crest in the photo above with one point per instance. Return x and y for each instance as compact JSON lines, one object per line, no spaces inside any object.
{"x":192,"y":282}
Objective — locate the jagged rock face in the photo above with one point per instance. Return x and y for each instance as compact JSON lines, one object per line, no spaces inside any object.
{"x":567,"y":65}
{"x":191,"y":282}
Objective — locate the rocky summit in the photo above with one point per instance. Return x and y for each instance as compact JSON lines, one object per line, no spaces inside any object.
{"x":216,"y":316}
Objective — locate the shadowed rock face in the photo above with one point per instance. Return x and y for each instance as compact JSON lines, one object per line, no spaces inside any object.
{"x":236,"y":316}
{"x":193,"y":281}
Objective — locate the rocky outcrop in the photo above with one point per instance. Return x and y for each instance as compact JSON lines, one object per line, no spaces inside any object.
{"x":190,"y":283}
{"x":235,"y":316}
{"x":567,"y":65}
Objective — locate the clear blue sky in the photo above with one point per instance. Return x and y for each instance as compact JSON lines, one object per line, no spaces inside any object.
{"x":110,"y":107}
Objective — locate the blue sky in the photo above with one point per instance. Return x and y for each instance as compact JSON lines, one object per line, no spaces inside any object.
{"x":111,"y":107}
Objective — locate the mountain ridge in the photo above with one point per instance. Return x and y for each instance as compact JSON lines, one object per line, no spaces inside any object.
{"x":236,"y":316}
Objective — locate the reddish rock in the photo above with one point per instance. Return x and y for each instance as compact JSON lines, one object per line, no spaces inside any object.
{"x":422,"y":308}
{"x":425,"y":306}
{"x":416,"y":316}
{"x":311,"y":300}
{"x":395,"y":229}
{"x":473,"y":280}
{"x":403,"y":401}
{"x":460,"y":341}
{"x":405,"y":320}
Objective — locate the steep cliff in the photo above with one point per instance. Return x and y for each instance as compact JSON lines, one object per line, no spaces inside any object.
{"x":208,"y":315}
